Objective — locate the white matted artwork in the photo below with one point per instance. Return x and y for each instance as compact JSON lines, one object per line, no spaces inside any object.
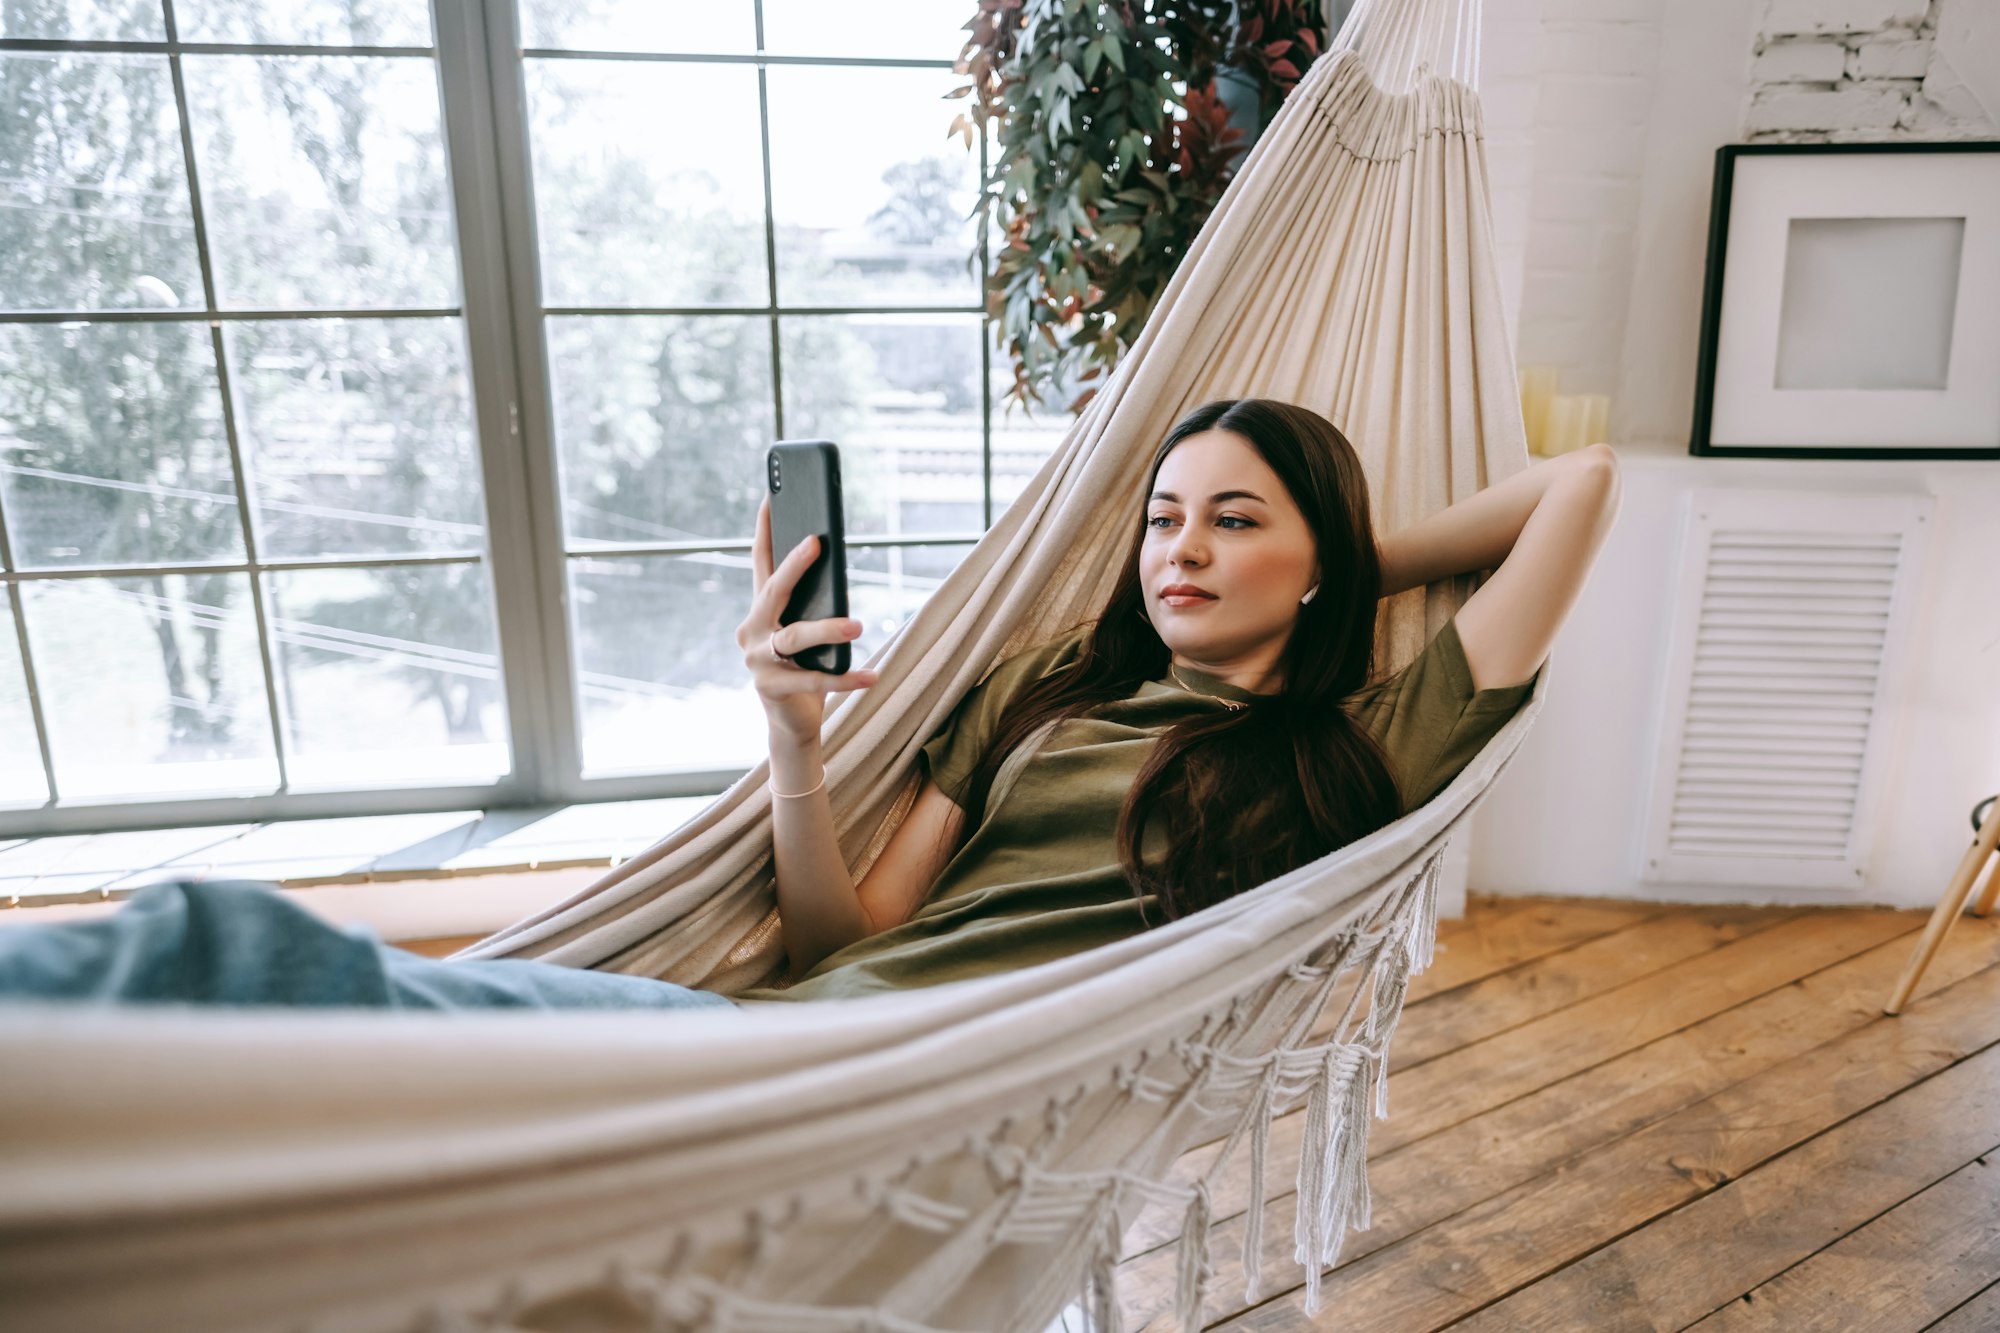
{"x":1853,"y":302}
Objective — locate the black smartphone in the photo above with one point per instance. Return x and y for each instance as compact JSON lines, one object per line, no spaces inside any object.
{"x":804,"y":479}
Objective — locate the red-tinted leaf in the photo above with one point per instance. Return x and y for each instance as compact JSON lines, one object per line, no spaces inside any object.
{"x":1286,"y":70}
{"x":1277,"y":48}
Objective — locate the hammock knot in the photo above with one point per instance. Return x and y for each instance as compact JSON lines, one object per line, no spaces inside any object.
{"x":1005,"y":1164}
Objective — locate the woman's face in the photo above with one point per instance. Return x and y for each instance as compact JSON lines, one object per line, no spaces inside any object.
{"x":1220,"y":520}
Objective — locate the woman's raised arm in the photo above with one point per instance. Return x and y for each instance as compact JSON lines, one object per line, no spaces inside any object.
{"x":1539,"y":531}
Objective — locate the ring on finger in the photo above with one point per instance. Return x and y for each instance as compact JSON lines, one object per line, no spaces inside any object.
{"x":777,"y":656}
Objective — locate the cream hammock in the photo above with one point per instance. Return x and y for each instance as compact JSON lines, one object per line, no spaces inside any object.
{"x":961,"y":1158}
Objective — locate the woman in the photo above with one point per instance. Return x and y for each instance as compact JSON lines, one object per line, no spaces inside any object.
{"x":1210,"y":729}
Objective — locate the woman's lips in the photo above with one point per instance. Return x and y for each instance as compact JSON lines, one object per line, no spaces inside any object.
{"x":1187,"y":599}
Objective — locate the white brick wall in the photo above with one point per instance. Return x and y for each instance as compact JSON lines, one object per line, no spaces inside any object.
{"x":1597,"y":62}
{"x":1630,"y":100}
{"x":1509,"y":87}
{"x":1800,"y":61}
{"x":1842,"y":16}
{"x":1856,"y":70}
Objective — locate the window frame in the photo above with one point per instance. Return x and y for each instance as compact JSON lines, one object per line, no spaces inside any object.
{"x":480,"y":65}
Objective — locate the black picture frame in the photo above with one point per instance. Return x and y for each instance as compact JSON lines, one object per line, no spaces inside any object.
{"x":1726,"y":160}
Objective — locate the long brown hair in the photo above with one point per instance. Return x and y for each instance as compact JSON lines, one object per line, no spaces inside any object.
{"x":1244,"y":795}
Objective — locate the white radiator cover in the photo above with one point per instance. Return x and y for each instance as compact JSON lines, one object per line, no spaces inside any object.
{"x":1794,"y":616}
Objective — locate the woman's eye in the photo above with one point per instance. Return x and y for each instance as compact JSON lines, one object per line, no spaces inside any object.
{"x":1156,"y":520}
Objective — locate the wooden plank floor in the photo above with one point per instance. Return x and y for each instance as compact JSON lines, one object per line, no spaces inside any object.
{"x":1614,"y":1115}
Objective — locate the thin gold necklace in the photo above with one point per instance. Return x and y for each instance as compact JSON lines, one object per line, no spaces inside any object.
{"x":1227,"y":703}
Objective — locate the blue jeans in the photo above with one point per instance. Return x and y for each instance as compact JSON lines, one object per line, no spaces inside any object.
{"x":240,"y":942}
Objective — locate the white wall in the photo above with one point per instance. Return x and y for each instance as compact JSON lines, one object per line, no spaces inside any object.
{"x":1568,"y":815}
{"x":1509,"y":94}
{"x":1611,"y":279}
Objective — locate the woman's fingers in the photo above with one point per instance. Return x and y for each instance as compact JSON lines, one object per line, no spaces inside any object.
{"x":760,"y":547}
{"x":777,"y":590}
{"x":803,"y":634}
{"x":816,"y":682}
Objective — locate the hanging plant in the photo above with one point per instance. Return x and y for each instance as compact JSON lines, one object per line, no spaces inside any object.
{"x":1113,"y":147}
{"x":1275,"y":42}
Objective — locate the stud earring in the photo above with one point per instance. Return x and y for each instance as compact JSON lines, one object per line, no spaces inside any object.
{"x":1309,"y":594}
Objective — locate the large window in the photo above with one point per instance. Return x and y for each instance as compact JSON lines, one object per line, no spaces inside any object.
{"x":383,"y":385}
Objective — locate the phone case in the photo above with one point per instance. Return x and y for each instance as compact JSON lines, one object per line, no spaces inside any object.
{"x":804,"y":481}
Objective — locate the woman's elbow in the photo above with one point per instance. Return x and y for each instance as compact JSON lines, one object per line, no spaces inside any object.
{"x":1598,"y":470}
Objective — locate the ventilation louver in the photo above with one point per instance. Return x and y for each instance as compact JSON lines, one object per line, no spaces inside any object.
{"x":1792,"y":610}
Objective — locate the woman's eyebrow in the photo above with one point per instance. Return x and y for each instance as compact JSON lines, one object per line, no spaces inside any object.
{"x":1214,"y":499}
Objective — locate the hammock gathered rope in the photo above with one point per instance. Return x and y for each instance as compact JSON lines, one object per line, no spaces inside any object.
{"x":966,"y":1158}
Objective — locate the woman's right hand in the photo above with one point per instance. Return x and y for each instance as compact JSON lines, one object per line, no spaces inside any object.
{"x":794,"y":697}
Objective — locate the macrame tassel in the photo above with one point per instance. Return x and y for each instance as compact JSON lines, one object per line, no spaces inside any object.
{"x":1392,"y":983}
{"x":1253,"y":1223}
{"x":1315,"y":1154}
{"x":1345,"y":1196}
{"x":1103,"y":1295}
{"x":1424,"y":927}
{"x":1192,"y":1285}
{"x":1354,"y":1171}
{"x":1381,"y":1063}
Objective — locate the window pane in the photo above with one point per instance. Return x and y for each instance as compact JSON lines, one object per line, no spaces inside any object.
{"x":389,"y":677}
{"x":649,"y":183}
{"x":93,"y":187}
{"x":884,"y":220}
{"x":662,"y":425}
{"x":1023,"y":441}
{"x":359,"y":435}
{"x":662,"y":681}
{"x":153,"y":686}
{"x":886,"y":585}
{"x":901,"y":29}
{"x":306,"y":22}
{"x":323,"y":181}
{"x":725,"y":28}
{"x":85,"y":20}
{"x":900,"y":395}
{"x":21,"y":781}
{"x":113,"y":445}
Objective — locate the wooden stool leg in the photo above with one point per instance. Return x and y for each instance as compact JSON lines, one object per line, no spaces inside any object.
{"x":1983,"y":905}
{"x":1947,"y":910}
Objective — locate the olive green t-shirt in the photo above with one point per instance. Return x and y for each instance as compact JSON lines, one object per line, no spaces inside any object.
{"x":1039,"y":878}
